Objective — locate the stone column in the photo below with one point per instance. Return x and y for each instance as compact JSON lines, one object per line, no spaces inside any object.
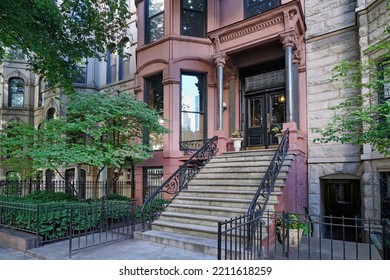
{"x":220,"y":60}
{"x":289,"y":40}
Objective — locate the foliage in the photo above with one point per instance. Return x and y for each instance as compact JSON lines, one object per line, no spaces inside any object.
{"x":117,"y":197}
{"x":57,"y":35}
{"x":155,"y":206}
{"x":51,"y":220}
{"x":99,"y":130}
{"x":365,"y":117}
{"x":236,"y":134}
{"x":292,"y":221}
{"x":49,"y":196}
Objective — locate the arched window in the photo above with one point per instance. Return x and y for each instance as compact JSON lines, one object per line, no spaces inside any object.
{"x":50,"y":113}
{"x":16,"y":92}
{"x":40,"y":93}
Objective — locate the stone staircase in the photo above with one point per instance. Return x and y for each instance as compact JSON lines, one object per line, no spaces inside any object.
{"x":220,"y":191}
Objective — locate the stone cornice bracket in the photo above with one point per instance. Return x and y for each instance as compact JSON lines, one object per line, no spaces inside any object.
{"x":289,"y":38}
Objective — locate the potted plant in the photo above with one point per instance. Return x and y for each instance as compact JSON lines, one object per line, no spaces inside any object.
{"x":237,"y":139}
{"x":277,"y":130}
{"x":293,"y":224}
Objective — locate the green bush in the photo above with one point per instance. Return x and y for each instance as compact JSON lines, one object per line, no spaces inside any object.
{"x":155,"y":206}
{"x":117,"y":197}
{"x":49,"y":196}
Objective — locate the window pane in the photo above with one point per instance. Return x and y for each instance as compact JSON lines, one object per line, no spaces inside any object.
{"x":156,"y":28}
{"x":155,"y":7}
{"x":16,"y":91}
{"x":192,"y":24}
{"x":198,"y":5}
{"x":192,"y":115}
{"x":255,"y":7}
{"x":256,"y":113}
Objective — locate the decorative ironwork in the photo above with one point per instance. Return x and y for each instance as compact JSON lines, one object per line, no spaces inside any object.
{"x":152,"y":207}
{"x":284,"y":242}
{"x":267,"y":184}
{"x":191,"y":146}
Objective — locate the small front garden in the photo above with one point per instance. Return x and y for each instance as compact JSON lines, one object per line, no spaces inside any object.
{"x":54,"y":216}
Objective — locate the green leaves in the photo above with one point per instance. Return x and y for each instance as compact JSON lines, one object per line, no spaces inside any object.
{"x":56,"y":37}
{"x":365,"y":117}
{"x":99,"y":130}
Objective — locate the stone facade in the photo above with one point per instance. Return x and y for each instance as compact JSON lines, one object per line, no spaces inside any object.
{"x":336,"y":31}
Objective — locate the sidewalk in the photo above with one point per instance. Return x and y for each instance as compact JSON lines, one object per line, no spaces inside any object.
{"x":131,"y":249}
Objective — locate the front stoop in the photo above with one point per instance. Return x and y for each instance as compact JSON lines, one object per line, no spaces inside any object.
{"x":222,"y":190}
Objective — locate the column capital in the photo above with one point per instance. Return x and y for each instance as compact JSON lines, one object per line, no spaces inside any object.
{"x":289,"y":38}
{"x":220,"y":59}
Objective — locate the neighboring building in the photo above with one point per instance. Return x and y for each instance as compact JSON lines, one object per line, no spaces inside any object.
{"x":26,"y":97}
{"x":343,"y":179}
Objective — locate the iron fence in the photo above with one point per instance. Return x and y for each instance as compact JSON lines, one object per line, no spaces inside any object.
{"x":100,"y":224}
{"x":84,"y":224}
{"x":82,"y":189}
{"x":317,"y":237}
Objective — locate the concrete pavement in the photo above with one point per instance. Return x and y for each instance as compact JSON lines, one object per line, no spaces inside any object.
{"x":130,"y":249}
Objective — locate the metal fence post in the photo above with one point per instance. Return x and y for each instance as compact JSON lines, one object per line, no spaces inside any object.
{"x":70,"y":231}
{"x":38,"y":222}
{"x":219,"y":240}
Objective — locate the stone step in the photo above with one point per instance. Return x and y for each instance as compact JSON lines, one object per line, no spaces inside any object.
{"x":230,"y":183}
{"x":212,"y":210}
{"x":186,"y":229}
{"x":188,"y":242}
{"x":235,"y":176}
{"x":222,"y":201}
{"x":191,"y":218}
{"x":249,"y":188}
{"x":223,"y":193}
{"x":238,"y":169}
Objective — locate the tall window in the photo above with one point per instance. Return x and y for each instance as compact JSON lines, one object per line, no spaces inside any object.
{"x":193,"y":88}
{"x":124,"y":60}
{"x":385,"y":194}
{"x":41,"y":89}
{"x":154,"y":26}
{"x":81,"y":75}
{"x":16,"y":92}
{"x":384,"y":93}
{"x":193,"y":18}
{"x":153,"y":178}
{"x":154,"y":96}
{"x":255,"y":7}
{"x":112,"y":60}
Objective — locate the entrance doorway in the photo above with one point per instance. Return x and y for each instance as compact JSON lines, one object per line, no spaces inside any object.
{"x":264,"y":111}
{"x":341,"y":198}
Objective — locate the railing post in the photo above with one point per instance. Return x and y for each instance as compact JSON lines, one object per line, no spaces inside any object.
{"x":38,"y":222}
{"x":70,"y":231}
{"x":219,"y":240}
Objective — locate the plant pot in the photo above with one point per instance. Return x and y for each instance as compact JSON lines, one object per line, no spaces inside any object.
{"x":237,"y":143}
{"x":279,"y":136}
{"x":294,"y":237}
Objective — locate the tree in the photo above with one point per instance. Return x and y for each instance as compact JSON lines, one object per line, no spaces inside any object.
{"x":364,"y":118}
{"x":58,"y":35}
{"x":99,"y":129}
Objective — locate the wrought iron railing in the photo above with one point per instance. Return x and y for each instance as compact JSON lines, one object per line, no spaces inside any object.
{"x":191,"y":146}
{"x":330,"y":238}
{"x":152,"y":207}
{"x":267,"y":184}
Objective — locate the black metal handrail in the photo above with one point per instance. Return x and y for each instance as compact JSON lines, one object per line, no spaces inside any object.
{"x":267,"y":183}
{"x":177,"y":181}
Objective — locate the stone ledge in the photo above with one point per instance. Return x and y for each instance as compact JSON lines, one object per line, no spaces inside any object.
{"x":17,"y":240}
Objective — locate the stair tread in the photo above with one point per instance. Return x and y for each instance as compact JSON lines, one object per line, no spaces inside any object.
{"x":229,"y":209}
{"x":219,"y":199}
{"x":195,"y":216}
{"x":192,"y":227}
{"x":183,"y":237}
